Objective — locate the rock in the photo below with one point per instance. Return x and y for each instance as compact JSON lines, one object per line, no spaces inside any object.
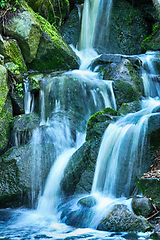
{"x":25,"y":29}
{"x":120,"y":219}
{"x":14,"y":71}
{"x":6,"y":119}
{"x":127,"y":30}
{"x":70,"y":30}
{"x":3,"y":86}
{"x":156,"y":233}
{"x":142,"y":206}
{"x":79,"y":218}
{"x":21,"y":175}
{"x":23,"y":127}
{"x":12,"y":53}
{"x":146,"y":186}
{"x":129,"y":108}
{"x":35,"y":82}
{"x":152,"y":42}
{"x":157,"y":6}
{"x":87,"y":202}
{"x":53,"y":53}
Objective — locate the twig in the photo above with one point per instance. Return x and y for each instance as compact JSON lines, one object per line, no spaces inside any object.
{"x":153,"y":215}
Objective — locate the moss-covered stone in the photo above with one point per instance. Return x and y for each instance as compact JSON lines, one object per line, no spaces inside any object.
{"x":129,"y":108}
{"x":6,"y":119}
{"x":12,"y":53}
{"x":25,"y":29}
{"x":35,"y":82}
{"x":53,"y":53}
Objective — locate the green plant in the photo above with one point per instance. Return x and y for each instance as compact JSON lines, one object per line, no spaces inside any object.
{"x":19,"y":89}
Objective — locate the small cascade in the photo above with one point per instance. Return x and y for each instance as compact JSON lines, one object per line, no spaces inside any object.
{"x":94,"y":29}
{"x":150,"y":74}
{"x":28,"y":98}
{"x":122,"y":148}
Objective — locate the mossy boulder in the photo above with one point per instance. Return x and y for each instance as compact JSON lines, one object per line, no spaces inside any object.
{"x":12,"y":53}
{"x":130,"y":107}
{"x":6,"y":120}
{"x":146,"y":186}
{"x":13,"y":70}
{"x":35,"y":82}
{"x":25,"y":29}
{"x":53,"y":53}
{"x":121,"y":219}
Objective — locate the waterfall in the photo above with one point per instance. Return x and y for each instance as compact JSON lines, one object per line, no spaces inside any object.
{"x":28,"y":98}
{"x":122,"y":148}
{"x":150,"y":74}
{"x":94,"y":29}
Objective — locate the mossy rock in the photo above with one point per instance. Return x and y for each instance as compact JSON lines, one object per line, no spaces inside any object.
{"x":53,"y":53}
{"x":152,"y":42}
{"x":124,"y":93}
{"x":6,"y":120}
{"x":1,"y":45}
{"x":3,"y":86}
{"x":12,"y":53}
{"x":14,"y":71}
{"x":35,"y":82}
{"x":129,"y":108}
{"x":120,"y":219}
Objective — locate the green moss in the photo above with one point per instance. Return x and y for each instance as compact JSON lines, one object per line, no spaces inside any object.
{"x":148,"y":39}
{"x":13,"y":54}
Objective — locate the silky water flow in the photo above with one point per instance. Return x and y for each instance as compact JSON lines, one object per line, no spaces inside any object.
{"x":59,"y":136}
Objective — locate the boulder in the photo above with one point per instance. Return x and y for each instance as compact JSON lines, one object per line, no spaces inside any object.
{"x":142,"y":206}
{"x":146,"y":186}
{"x":156,"y":3}
{"x":25,"y":29}
{"x":121,"y":219}
{"x":13,"y":70}
{"x":1,"y":60}
{"x":53,"y":53}
{"x":24,"y":170}
{"x":6,"y":119}
{"x":12,"y":53}
{"x":70,"y":30}
{"x":87,"y":202}
{"x":23,"y":126}
{"x":130,"y":107}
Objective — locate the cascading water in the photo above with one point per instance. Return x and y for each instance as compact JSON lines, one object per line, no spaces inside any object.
{"x":67,"y":102}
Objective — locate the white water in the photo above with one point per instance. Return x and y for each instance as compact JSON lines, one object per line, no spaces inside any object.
{"x":121,"y":149}
{"x":92,"y":34}
{"x":28,"y":99}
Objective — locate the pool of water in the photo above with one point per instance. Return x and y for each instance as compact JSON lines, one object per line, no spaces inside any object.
{"x":26,"y":224}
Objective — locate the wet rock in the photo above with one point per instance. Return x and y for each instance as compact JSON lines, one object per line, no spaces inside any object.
{"x":3,"y":86}
{"x":1,"y":45}
{"x":79,"y":218}
{"x":142,"y":206}
{"x":87,"y":202}
{"x":70,"y":30}
{"x":129,"y":108}
{"x":156,"y":233}
{"x":120,"y":219}
{"x":35,"y":82}
{"x":23,"y":127}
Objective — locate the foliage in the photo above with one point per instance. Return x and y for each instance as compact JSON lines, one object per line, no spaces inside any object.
{"x":10,"y":5}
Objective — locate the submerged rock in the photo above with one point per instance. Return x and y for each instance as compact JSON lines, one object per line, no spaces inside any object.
{"x":87,"y":202}
{"x":120,"y":219}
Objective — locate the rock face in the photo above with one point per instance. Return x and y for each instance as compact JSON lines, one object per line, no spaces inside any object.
{"x":120,"y":219}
